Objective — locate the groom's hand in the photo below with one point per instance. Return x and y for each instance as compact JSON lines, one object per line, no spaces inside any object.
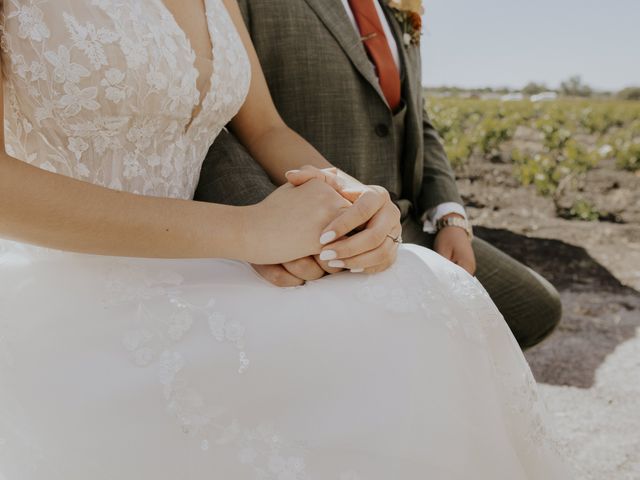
{"x":294,"y":274}
{"x":454,"y":244}
{"x":373,"y":220}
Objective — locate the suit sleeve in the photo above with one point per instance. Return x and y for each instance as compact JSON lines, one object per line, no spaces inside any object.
{"x":438,"y":181}
{"x":231,"y":176}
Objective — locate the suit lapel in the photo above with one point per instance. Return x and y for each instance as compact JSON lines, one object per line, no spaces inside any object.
{"x":332,"y":15}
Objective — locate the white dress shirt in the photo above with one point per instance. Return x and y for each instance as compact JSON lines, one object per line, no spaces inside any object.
{"x":447,"y":208}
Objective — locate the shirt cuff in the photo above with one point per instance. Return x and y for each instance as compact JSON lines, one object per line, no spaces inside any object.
{"x":432,"y":215}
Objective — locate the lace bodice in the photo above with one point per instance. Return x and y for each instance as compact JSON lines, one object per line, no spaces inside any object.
{"x":105,"y":91}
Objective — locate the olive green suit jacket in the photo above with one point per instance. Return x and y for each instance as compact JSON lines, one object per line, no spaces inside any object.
{"x":325,"y":87}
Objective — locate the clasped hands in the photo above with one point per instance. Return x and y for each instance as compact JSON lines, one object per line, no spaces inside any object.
{"x":363,"y":238}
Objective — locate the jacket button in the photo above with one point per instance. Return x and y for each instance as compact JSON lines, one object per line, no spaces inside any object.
{"x":382,"y":130}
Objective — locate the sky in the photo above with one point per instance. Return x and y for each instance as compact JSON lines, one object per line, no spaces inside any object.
{"x":472,"y":43}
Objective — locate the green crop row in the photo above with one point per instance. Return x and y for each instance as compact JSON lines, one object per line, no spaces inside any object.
{"x":570,"y":136}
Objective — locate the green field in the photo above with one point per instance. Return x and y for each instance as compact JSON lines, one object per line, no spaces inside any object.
{"x":547,"y":142}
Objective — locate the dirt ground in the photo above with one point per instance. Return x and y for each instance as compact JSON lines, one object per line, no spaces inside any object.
{"x":589,"y":370}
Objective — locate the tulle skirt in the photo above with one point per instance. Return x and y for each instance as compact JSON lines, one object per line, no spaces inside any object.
{"x":114,"y":368}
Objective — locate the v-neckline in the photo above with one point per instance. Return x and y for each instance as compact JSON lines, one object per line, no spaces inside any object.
{"x":203,"y":95}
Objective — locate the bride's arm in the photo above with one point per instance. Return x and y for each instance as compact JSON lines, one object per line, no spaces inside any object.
{"x":275,"y":146}
{"x":279,"y":149}
{"x":55,"y":211}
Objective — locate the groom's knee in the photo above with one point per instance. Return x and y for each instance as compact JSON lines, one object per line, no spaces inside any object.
{"x":543,"y":315}
{"x":530,"y":305}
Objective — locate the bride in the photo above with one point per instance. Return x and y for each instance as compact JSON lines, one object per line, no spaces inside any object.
{"x":131,"y":349}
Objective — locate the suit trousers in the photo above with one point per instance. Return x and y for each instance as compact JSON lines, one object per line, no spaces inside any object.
{"x":530,"y":304}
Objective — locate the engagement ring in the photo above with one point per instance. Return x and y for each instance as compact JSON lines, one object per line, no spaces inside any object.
{"x":397,"y":239}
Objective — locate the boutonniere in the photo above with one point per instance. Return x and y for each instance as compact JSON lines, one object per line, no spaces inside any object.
{"x":408,"y":13}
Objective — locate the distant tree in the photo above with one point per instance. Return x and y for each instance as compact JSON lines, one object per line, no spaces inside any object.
{"x":575,"y":87}
{"x":533,"y":88}
{"x":630,"y":93}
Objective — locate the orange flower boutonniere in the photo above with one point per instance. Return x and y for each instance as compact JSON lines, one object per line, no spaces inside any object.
{"x":409,"y":15}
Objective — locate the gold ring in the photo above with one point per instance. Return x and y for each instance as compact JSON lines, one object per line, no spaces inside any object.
{"x":397,"y":239}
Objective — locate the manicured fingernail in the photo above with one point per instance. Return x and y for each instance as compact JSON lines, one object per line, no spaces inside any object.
{"x":336,"y":264}
{"x":328,"y":255}
{"x":357,"y":270}
{"x":327,"y":237}
{"x":290,"y":172}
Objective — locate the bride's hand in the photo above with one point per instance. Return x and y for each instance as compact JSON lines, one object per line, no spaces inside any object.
{"x":373,"y":249}
{"x":287,"y":225}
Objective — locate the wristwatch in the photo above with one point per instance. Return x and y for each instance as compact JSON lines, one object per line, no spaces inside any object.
{"x":454,"y":221}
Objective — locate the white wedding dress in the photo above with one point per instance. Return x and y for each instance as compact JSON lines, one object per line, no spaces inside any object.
{"x":117,"y":369}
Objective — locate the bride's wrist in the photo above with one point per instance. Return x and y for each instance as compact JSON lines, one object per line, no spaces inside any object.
{"x":246,"y":223}
{"x":222,"y":232}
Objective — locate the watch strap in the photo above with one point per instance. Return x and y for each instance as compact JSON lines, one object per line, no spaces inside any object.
{"x":454,"y":221}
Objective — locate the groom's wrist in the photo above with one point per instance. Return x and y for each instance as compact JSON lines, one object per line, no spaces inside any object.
{"x":457,"y":221}
{"x":432,"y":215}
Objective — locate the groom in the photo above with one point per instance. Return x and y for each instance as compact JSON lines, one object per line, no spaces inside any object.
{"x":346,"y":75}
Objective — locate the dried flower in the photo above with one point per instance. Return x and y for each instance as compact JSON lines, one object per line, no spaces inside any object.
{"x":407,"y":5}
{"x":408,"y":13}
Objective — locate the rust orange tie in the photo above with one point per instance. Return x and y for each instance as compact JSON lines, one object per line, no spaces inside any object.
{"x":377,"y":46}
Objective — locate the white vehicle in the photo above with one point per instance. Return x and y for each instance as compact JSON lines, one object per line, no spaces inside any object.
{"x":544,"y":97}
{"x":512,"y":97}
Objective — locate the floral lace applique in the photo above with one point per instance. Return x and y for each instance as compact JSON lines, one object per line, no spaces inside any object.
{"x":127,"y":283}
{"x":262,"y":448}
{"x":225,"y":330}
{"x":155,"y":333}
{"x":414,"y":289}
{"x":523,"y":400}
{"x":154,"y":342}
{"x":417,"y":289}
{"x":116,"y":87}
